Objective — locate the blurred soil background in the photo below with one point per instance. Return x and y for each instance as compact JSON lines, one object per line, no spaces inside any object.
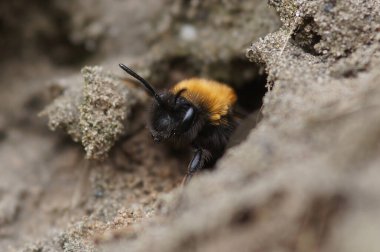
{"x":79,"y":171}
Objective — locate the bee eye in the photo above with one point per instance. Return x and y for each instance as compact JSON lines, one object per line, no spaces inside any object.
{"x":188,"y":119}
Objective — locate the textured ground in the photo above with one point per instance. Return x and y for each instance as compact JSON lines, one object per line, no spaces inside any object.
{"x":304,"y":179}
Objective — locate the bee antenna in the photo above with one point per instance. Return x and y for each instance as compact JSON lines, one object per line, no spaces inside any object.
{"x":146,"y":84}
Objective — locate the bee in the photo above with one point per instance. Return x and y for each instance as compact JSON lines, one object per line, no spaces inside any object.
{"x":198,"y":112}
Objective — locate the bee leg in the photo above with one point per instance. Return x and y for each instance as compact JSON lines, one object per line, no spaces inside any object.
{"x":194,"y":165}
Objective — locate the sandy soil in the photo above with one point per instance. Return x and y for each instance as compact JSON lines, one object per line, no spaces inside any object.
{"x":301,"y":175}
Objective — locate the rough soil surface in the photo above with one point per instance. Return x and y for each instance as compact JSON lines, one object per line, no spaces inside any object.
{"x":304,"y":179}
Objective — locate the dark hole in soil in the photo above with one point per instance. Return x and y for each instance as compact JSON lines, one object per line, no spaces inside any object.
{"x":248,"y":108}
{"x":173,"y":70}
{"x":251,"y":93}
{"x":306,"y":37}
{"x":244,"y":216}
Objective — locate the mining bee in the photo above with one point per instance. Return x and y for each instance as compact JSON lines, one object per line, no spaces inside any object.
{"x":196,"y":112}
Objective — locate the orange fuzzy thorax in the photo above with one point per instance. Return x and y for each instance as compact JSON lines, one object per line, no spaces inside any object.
{"x":217,"y":98}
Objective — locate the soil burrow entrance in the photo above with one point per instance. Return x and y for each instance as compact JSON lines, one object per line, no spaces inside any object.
{"x":250,"y":100}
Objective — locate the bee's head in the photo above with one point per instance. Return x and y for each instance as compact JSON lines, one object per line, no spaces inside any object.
{"x":171,"y":114}
{"x":172,"y":118}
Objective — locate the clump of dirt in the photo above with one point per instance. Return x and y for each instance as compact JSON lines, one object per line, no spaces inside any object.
{"x":64,"y":110}
{"x":106,"y":104}
{"x":94,"y":112}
